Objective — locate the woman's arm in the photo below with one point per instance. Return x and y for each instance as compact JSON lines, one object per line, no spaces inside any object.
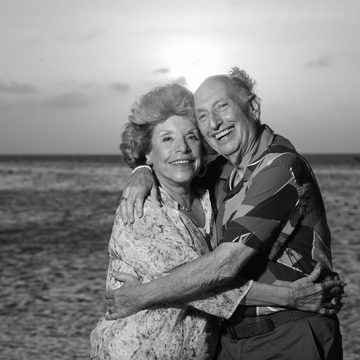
{"x":210,"y":271}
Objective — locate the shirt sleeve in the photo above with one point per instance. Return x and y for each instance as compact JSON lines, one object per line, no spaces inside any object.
{"x":270,"y":198}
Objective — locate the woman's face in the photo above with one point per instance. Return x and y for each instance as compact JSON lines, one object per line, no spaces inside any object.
{"x":176,"y":151}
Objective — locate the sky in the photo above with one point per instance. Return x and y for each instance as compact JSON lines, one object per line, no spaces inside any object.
{"x":70,"y":70}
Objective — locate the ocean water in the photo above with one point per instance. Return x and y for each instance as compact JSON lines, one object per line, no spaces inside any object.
{"x":56,"y":215}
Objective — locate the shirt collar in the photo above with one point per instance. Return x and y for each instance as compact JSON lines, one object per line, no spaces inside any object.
{"x":267,"y":136}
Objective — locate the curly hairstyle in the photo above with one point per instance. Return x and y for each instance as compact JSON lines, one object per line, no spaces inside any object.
{"x":246,"y":96}
{"x":153,"y":108}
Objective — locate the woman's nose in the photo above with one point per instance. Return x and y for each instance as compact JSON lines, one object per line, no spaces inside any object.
{"x":182,"y":145}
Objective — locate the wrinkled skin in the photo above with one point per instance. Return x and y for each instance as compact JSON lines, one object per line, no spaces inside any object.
{"x":324,"y":298}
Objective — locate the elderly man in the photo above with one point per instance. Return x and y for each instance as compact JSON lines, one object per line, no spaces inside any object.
{"x":270,"y":217}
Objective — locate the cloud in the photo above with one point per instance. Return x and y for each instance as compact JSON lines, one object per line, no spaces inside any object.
{"x":17,"y":88}
{"x":119,"y":87}
{"x":20,"y":104}
{"x":161,"y":71}
{"x":68,"y":100}
{"x":321,"y":62}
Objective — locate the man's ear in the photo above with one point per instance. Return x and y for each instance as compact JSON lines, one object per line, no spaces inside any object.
{"x":254,"y":105}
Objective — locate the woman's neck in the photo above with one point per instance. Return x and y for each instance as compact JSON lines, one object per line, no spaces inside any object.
{"x":181,"y":193}
{"x":188,"y":203}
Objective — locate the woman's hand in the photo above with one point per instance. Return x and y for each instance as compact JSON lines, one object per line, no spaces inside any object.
{"x":323,"y":297}
{"x":124,"y":301}
{"x":140,"y":184}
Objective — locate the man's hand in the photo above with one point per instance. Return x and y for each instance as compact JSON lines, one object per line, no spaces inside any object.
{"x":139,"y":186}
{"x":124,"y":301}
{"x":324,"y":297}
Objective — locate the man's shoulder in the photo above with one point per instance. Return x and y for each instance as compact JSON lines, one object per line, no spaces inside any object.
{"x":279,"y":159}
{"x":281,"y":152}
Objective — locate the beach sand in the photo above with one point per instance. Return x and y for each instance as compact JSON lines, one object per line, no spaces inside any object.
{"x":56,"y":219}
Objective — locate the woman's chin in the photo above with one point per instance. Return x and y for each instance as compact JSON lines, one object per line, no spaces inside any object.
{"x":181,"y":179}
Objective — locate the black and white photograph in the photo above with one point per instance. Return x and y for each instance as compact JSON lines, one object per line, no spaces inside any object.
{"x":179,"y":180}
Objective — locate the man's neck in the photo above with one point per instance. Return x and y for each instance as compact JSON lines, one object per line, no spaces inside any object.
{"x":247,"y":156}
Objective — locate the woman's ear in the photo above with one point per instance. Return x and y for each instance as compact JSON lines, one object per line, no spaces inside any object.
{"x":148,"y":159}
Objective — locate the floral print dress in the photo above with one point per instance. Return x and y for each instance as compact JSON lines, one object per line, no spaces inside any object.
{"x":151,"y":247}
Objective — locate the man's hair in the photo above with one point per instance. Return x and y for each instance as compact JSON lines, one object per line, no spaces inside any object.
{"x":153,"y":108}
{"x":245,"y":92}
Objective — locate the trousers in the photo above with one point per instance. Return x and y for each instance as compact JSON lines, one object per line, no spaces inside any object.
{"x":310,"y":338}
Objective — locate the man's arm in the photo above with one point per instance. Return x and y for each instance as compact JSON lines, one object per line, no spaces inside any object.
{"x":140,"y":185}
{"x":307,"y":294}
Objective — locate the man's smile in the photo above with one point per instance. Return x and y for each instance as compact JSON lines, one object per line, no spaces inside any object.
{"x":222,"y":135}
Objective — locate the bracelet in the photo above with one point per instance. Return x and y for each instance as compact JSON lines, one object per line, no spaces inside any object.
{"x":142,"y":166}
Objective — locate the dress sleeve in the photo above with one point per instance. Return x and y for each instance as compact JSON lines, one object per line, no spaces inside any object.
{"x":156,"y":244}
{"x":223,"y":301}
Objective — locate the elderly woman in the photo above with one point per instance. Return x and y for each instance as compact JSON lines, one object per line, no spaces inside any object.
{"x":163,"y":134}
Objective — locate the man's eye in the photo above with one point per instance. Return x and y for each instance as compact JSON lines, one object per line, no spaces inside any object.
{"x":202,"y":117}
{"x":223,"y":106}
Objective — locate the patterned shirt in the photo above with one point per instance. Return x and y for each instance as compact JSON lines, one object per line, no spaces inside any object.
{"x":161,"y":240}
{"x":276,"y":209}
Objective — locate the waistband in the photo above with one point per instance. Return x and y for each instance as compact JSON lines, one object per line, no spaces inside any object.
{"x":259,"y":325}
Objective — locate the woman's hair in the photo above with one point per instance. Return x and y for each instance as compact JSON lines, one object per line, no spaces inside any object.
{"x":246,"y":96}
{"x":153,"y":108}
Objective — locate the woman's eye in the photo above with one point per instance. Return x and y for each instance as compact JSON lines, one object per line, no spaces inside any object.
{"x":166,"y":139}
{"x":193,"y":137}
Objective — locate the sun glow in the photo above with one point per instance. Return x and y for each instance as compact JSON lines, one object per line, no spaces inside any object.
{"x":192,"y":58}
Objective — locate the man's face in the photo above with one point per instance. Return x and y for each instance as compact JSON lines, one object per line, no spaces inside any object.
{"x":221,"y":121}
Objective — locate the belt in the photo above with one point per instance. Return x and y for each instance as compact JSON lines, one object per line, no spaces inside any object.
{"x":264,"y":324}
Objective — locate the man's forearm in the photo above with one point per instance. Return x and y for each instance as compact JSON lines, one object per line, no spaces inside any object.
{"x":261,"y":294}
{"x":200,"y":275}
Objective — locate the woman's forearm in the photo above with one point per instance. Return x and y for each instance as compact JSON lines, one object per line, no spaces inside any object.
{"x":198,"y":276}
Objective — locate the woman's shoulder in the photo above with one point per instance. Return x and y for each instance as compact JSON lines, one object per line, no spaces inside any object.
{"x":155,"y":216}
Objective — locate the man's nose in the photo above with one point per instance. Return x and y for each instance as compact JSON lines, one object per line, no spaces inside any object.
{"x":215,"y":120}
